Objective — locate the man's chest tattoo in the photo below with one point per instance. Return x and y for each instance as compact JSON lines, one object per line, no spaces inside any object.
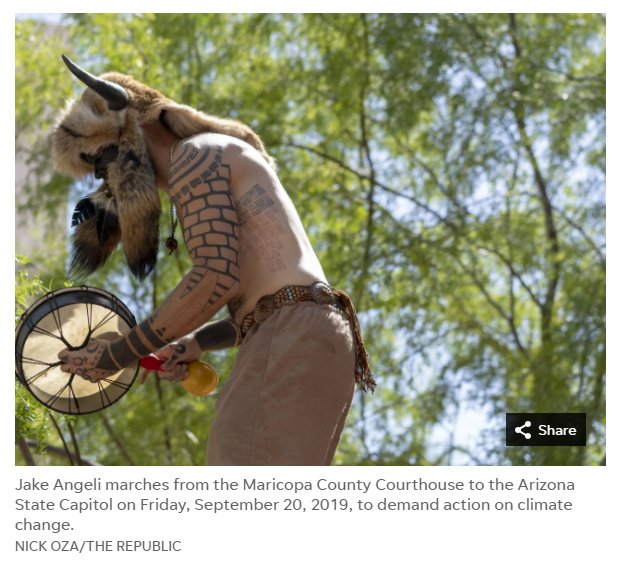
{"x":252,"y":203}
{"x":208,"y":218}
{"x":263,"y":237}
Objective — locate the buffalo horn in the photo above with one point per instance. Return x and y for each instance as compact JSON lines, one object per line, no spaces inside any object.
{"x":113,"y":93}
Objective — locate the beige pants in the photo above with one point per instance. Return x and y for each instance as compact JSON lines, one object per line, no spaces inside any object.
{"x":287,"y":398}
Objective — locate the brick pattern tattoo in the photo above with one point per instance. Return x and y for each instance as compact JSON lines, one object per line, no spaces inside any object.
{"x":201,"y":191}
{"x":208,"y":218}
{"x":263,"y":240}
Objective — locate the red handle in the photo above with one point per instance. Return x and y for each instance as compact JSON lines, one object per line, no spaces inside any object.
{"x":151,"y":362}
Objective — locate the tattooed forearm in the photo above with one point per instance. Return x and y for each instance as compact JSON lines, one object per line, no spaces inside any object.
{"x":140,"y":341}
{"x":107,"y":362}
{"x":218,"y":335}
{"x":200,"y":188}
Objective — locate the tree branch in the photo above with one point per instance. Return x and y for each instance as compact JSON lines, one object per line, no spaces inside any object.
{"x":116,"y":439}
{"x":454,"y":227}
{"x":494,"y":304}
{"x":366,"y":177}
{"x":365,"y":147}
{"x":553,"y":257}
{"x":77,"y":452}
{"x":66,"y":449}
{"x":60,"y":451}
{"x":27,"y":454}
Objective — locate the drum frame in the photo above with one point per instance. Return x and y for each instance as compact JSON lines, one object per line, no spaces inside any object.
{"x":51,"y":303}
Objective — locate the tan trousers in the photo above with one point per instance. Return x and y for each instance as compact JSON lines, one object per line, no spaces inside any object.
{"x":288,"y":395}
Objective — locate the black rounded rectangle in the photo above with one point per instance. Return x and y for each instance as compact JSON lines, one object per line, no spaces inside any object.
{"x":546,"y":428}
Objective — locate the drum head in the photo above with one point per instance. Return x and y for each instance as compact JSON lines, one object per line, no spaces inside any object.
{"x":70,"y":317}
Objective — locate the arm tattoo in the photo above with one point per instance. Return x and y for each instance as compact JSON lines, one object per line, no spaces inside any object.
{"x":202,"y":194}
{"x":140,"y":341}
{"x":218,"y":335}
{"x":189,"y":154}
{"x":107,"y":362}
{"x":208,"y":217}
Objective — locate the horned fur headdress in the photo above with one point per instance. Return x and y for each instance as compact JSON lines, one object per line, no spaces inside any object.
{"x":102,"y":132}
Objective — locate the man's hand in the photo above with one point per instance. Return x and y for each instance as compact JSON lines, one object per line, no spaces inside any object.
{"x":85,"y":361}
{"x":176,"y":356}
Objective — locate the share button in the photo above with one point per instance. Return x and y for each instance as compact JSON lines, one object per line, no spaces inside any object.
{"x":546,"y":428}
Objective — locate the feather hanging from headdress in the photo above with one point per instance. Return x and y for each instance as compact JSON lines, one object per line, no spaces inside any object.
{"x":97,"y":231}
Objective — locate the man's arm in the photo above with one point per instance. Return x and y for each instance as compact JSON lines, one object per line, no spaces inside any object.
{"x":200,"y":188}
{"x":217,"y":335}
{"x":213,"y":336}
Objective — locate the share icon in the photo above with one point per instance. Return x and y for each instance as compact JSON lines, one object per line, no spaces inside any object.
{"x":519,"y":429}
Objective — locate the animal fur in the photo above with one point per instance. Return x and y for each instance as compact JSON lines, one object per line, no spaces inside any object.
{"x":97,"y":231}
{"x":85,"y":127}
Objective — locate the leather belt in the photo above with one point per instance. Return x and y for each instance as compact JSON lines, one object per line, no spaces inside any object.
{"x":318,"y":292}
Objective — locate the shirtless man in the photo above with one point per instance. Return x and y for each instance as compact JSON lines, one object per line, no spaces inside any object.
{"x":292,"y":383}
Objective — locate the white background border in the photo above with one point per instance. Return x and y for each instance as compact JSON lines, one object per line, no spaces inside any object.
{"x":589,"y":534}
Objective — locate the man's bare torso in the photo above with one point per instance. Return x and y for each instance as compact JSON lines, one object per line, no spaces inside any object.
{"x":273,"y":248}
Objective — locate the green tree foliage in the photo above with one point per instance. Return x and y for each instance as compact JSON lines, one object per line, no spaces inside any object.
{"x":450,"y":171}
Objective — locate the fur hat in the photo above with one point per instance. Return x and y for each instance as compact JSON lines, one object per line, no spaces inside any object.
{"x":102,"y":132}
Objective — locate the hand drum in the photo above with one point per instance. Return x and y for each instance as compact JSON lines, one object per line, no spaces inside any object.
{"x":70,"y":317}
